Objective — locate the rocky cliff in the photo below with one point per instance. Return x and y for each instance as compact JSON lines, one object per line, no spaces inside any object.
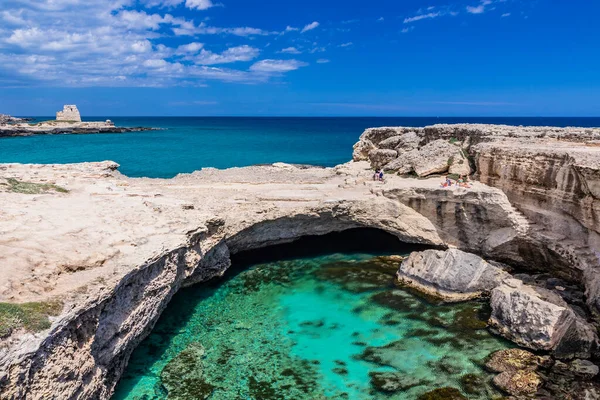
{"x":551,"y":175}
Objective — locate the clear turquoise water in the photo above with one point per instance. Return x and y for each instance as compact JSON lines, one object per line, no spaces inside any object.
{"x":332,"y":327}
{"x":189,"y":144}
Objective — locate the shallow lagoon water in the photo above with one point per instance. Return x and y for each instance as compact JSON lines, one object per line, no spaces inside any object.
{"x":332,"y":326}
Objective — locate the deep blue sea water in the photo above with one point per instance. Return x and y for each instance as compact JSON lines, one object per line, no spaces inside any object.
{"x":186,"y":144}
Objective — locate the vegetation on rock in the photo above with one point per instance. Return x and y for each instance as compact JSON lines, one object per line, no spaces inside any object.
{"x":30,"y":316}
{"x":17,"y":186}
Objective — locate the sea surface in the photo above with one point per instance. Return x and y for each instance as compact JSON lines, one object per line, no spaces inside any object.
{"x":332,"y":326}
{"x":184,"y":145}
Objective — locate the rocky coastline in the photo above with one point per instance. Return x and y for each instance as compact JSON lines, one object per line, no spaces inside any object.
{"x":113,"y":250}
{"x":57,"y":128}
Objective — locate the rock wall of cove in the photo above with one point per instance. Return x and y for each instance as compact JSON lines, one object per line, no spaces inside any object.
{"x":85,"y":353}
{"x":559,"y":192}
{"x":551,"y":175}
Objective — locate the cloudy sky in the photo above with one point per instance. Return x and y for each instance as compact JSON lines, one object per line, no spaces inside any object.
{"x":310,"y":57}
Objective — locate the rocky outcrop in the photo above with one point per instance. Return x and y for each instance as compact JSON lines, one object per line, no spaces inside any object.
{"x":451,"y":275}
{"x":7,"y":119}
{"x":175,"y":235}
{"x":56,"y":128}
{"x":539,"y":319}
{"x":551,"y":175}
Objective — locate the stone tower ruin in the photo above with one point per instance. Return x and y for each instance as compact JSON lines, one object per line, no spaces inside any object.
{"x":69,"y":113}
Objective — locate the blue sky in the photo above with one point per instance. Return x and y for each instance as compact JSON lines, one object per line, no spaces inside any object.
{"x":310,"y":57}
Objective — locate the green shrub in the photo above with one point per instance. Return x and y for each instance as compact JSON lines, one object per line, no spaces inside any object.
{"x":30,"y":316}
{"x":17,"y":186}
{"x":453,"y":140}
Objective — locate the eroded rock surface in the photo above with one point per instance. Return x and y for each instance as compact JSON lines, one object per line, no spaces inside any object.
{"x":115,"y":249}
{"x":541,"y":320}
{"x":552,"y":176}
{"x":451,"y":275}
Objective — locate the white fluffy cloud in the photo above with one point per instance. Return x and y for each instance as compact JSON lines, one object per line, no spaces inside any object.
{"x":199,"y":4}
{"x":233,"y":54}
{"x":192,"y":4}
{"x":290,"y":50}
{"x":112,"y":43}
{"x":419,"y":17}
{"x":310,"y":27}
{"x":277,"y":66}
{"x":479,"y":9}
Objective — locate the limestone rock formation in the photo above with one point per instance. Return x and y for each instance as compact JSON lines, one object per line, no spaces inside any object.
{"x":381,"y":157}
{"x":451,"y":275}
{"x":539,"y":319}
{"x":69,"y":113}
{"x":551,"y":175}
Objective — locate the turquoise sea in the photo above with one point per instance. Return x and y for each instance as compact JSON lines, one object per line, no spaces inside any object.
{"x":188,"y":144}
{"x":332,"y":326}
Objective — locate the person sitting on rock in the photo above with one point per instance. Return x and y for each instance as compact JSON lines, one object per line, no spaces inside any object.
{"x":376,"y":175}
{"x":463,"y":182}
{"x":381,"y":176}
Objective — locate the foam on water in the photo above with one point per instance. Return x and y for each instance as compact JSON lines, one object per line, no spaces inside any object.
{"x":324,"y":327}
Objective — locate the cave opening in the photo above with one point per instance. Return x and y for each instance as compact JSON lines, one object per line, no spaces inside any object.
{"x":320,"y":317}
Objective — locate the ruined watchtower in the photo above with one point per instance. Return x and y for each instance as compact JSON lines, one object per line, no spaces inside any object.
{"x":69,"y":113}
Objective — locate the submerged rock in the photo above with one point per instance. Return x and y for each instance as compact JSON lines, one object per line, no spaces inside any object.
{"x":472,"y":383}
{"x":446,"y":393}
{"x":541,"y":320}
{"x":452,"y":275}
{"x":183,"y":376}
{"x":390,"y":382}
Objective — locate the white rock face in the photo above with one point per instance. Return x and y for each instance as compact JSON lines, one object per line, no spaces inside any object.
{"x":539,"y":319}
{"x":452,"y":275}
{"x":69,"y":113}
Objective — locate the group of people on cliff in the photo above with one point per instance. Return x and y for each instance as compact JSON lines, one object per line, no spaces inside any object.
{"x":462,"y":181}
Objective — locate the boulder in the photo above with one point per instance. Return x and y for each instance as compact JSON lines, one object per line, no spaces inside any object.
{"x":583,"y":369}
{"x":403,"y":164}
{"x":460,"y":165}
{"x":518,"y":383}
{"x":451,"y":275}
{"x":361,"y":150}
{"x":435,"y":157}
{"x":378,"y":135}
{"x":381,"y":157}
{"x":539,"y":319}
{"x":391,"y":142}
{"x":409,"y":141}
{"x":512,"y":360}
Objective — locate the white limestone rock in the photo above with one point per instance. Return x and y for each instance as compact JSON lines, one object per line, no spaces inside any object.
{"x":451,"y":275}
{"x":539,"y":319}
{"x":381,"y":157}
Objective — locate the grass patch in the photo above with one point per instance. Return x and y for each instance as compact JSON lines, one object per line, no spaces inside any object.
{"x":17,"y":186}
{"x":453,"y":140}
{"x":30,"y":316}
{"x":454,"y":177}
{"x":450,"y":161}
